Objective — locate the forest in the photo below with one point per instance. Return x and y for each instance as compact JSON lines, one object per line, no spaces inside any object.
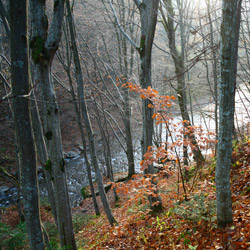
{"x":124,"y":124}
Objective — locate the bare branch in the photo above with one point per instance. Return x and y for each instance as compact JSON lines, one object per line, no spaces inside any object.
{"x":5,"y":18}
{"x":122,"y":30}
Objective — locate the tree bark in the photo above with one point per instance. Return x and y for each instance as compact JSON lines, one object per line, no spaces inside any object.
{"x":42,"y":153}
{"x":148,"y":13}
{"x":22,"y":121}
{"x":44,"y":44}
{"x":231,"y":13}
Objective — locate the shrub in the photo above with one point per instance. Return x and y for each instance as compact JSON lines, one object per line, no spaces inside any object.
{"x":13,"y":239}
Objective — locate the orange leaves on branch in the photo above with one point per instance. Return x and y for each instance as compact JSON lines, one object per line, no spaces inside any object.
{"x":160,"y":103}
{"x":154,"y":115}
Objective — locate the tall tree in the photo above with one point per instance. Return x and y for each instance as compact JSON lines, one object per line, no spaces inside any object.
{"x":148,"y":15}
{"x":84,"y":112}
{"x":44,"y":44}
{"x":180,"y":70}
{"x":22,"y":121}
{"x":67,"y":67}
{"x":231,"y":13}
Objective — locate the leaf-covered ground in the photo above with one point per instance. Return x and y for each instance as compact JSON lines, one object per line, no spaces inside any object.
{"x":182,"y":224}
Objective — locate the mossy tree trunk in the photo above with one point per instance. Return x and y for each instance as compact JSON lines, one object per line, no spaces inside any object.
{"x":42,"y":153}
{"x":44,"y":44}
{"x":22,"y":121}
{"x":148,"y":14}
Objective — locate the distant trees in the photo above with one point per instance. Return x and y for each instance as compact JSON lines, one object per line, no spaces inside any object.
{"x":231,"y":14}
{"x":126,"y":13}
{"x":148,"y":17}
{"x":4,"y":16}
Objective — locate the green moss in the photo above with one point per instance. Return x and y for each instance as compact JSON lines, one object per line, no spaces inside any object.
{"x":48,"y":135}
{"x":39,"y":52}
{"x":48,"y":166}
{"x":84,"y":192}
{"x":37,"y":46}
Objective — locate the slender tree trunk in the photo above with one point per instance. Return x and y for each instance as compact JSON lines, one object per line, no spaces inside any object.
{"x":81,"y":95}
{"x":148,"y":13}
{"x":84,"y":144}
{"x":215,"y":71}
{"x":67,"y":68}
{"x":178,"y":59}
{"x":42,"y":153}
{"x":231,"y":13}
{"x":128,"y":132}
{"x":22,"y":121}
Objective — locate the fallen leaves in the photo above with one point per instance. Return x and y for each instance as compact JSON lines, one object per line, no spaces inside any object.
{"x":170,"y":229}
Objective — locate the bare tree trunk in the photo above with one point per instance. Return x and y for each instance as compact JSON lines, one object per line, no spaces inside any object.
{"x":231,"y":14}
{"x":84,"y":144}
{"x":44,"y":45}
{"x":148,"y":13}
{"x":22,"y":121}
{"x":81,"y":95}
{"x":178,"y":59}
{"x":215,"y":71}
{"x":128,"y":132}
{"x":42,"y":153}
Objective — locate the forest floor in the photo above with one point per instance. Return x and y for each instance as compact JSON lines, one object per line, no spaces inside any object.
{"x":181,"y":224}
